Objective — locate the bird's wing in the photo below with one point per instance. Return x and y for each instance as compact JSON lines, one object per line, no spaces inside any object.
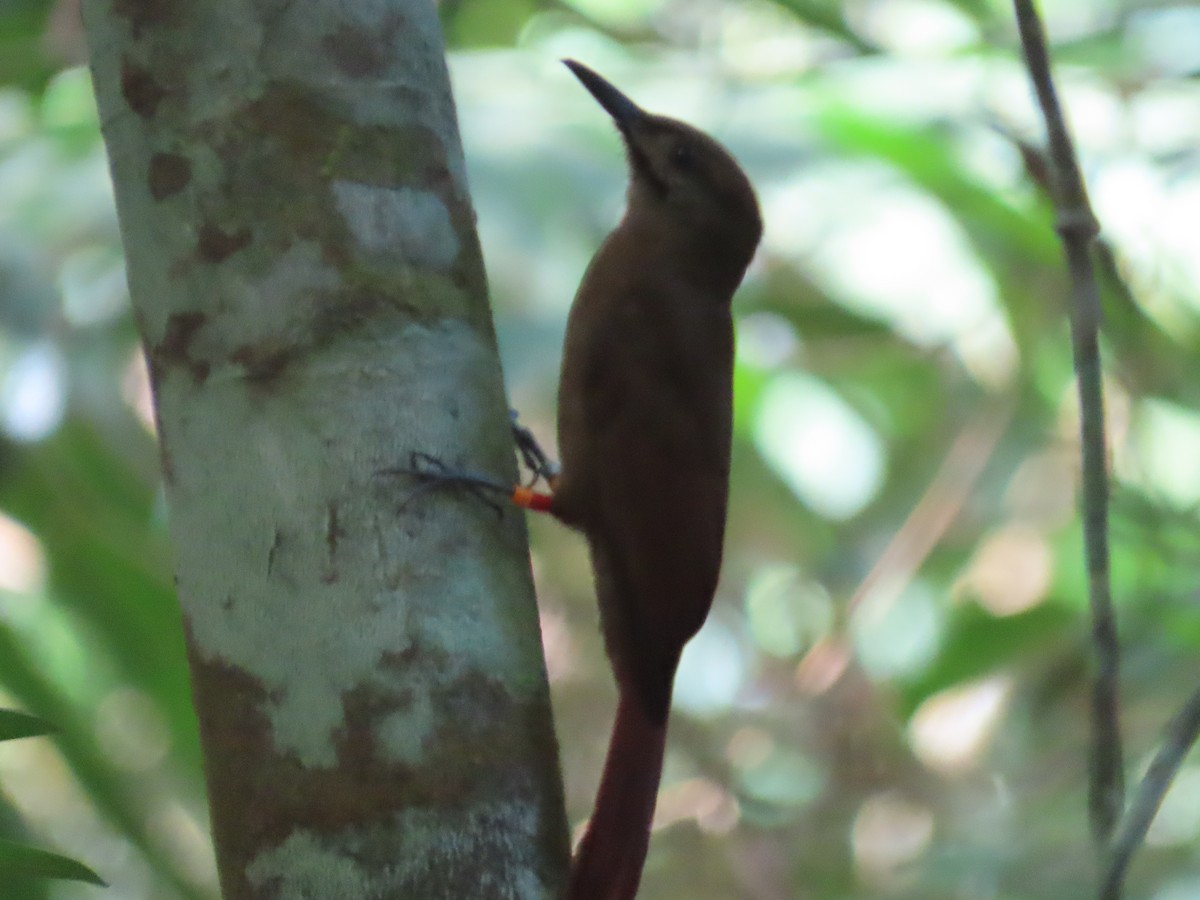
{"x":659,"y":435}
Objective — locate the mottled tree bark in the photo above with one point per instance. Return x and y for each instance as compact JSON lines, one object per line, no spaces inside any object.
{"x":308,"y":285}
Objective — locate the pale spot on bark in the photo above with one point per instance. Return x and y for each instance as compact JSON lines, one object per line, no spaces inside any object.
{"x":413,"y":224}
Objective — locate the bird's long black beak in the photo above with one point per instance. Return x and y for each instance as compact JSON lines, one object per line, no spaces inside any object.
{"x":623,"y":110}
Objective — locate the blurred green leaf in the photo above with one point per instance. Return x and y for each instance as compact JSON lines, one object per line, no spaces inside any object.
{"x":616,"y":14}
{"x":1018,"y":246}
{"x":827,"y":16}
{"x":1150,"y":359}
{"x":112,"y":792}
{"x":485,"y":23}
{"x":980,"y":10}
{"x":14,"y":724}
{"x":23,"y":58}
{"x":18,"y":861}
{"x":94,"y":510}
{"x":69,"y":112}
{"x":976,"y":643}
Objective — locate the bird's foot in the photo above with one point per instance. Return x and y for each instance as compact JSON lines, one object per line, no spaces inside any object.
{"x":433,"y":473}
{"x":532,"y":455}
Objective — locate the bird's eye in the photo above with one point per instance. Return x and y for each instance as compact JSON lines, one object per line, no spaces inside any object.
{"x":682,"y":157}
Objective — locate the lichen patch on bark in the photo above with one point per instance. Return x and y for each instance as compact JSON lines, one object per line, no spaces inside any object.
{"x":368,"y":813}
{"x":413,"y":224}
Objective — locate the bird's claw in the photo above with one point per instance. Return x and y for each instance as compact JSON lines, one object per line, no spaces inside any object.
{"x":434,"y":473}
{"x":532,"y":455}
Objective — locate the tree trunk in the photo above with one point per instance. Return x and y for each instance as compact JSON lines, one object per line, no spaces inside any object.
{"x":309,"y":289}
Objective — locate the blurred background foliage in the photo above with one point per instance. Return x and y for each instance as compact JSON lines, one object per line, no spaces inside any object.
{"x":890,"y":697}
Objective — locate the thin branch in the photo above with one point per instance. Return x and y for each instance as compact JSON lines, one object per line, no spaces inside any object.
{"x":1077,"y":228}
{"x":1180,"y":736}
{"x":935,"y":512}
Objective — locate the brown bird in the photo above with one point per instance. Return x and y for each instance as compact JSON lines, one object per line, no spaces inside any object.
{"x":644,"y":416}
{"x":645,"y":408}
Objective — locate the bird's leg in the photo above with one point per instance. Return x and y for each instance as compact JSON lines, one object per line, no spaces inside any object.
{"x":434,"y":473}
{"x":539,"y":465}
{"x":532,"y":455}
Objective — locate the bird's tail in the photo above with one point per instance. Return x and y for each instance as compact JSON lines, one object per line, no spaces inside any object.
{"x":608,"y":863}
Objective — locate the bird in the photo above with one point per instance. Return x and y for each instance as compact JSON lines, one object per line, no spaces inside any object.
{"x":645,"y":409}
{"x":645,"y":414}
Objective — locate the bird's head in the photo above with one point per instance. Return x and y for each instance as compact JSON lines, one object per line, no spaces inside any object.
{"x":680,"y":174}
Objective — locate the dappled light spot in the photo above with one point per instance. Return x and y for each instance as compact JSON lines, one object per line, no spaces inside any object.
{"x":710,"y":806}
{"x":889,"y":831}
{"x":711,"y":670}
{"x":819,"y":445}
{"x":557,"y":646}
{"x":749,"y":747}
{"x":1149,"y":213}
{"x":916,"y":27}
{"x":1042,"y":490}
{"x":16,"y":115}
{"x":904,"y":260}
{"x":33,"y":393}
{"x":951,"y":730}
{"x":896,"y":633}
{"x":1167,"y":39}
{"x":786,"y":613}
{"x":1178,"y":819}
{"x":69,"y":106}
{"x":765,"y":340}
{"x":93,"y":287}
{"x":38,"y":783}
{"x":1179,"y":889}
{"x":22,"y":559}
{"x":189,"y":841}
{"x":989,"y":353}
{"x":135,"y":390}
{"x":1011,"y":571}
{"x":784,"y":779}
{"x":1165,"y":457}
